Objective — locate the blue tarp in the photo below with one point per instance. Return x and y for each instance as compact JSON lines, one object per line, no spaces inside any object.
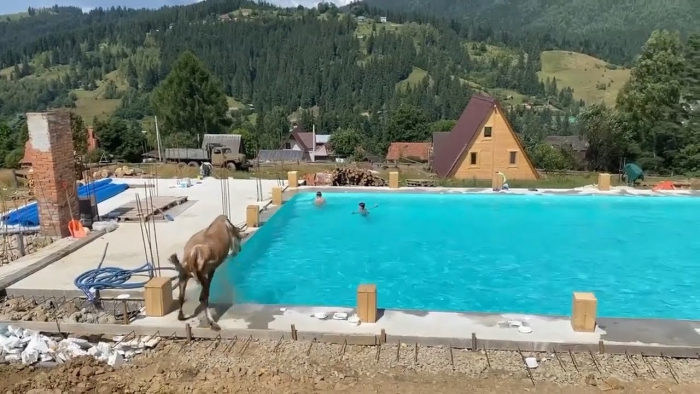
{"x":103,"y":190}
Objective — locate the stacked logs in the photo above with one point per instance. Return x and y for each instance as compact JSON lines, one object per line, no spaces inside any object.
{"x":355,"y":177}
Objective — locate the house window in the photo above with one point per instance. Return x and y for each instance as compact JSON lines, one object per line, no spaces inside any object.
{"x":513,"y":157}
{"x":288,"y":145}
{"x":472,"y":158}
{"x":487,"y":132}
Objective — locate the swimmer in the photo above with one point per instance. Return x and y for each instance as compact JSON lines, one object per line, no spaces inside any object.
{"x":362,"y":210}
{"x":319,"y":200}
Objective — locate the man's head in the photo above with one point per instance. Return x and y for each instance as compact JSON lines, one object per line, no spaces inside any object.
{"x":362,"y":205}
{"x":318,"y":194}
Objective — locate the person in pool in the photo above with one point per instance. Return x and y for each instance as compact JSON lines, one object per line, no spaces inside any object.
{"x":319,"y":200}
{"x":362,"y":210}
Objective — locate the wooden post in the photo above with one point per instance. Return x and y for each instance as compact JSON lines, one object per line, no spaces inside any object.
{"x":252,"y":216}
{"x":277,"y":195}
{"x":394,"y":180}
{"x":604,"y":182}
{"x":367,"y":303}
{"x":497,"y":182}
{"x":158,"y":295}
{"x":293,"y":179}
{"x":20,"y":244}
{"x":13,"y":179}
{"x":583,"y":314}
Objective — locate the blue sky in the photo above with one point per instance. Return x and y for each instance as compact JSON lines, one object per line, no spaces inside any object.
{"x":10,"y":7}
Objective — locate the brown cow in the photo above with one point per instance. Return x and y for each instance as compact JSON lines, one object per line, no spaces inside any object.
{"x":204,"y":253}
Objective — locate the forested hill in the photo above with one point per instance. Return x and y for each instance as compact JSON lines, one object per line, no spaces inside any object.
{"x":613,"y":30}
{"x":367,"y":76}
{"x":270,"y":59}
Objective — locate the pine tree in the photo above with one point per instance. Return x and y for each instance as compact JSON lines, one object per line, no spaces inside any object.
{"x":191,"y":100}
{"x":649,"y":104}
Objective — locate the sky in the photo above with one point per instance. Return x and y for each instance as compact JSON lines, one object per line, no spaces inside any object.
{"x":11,"y":7}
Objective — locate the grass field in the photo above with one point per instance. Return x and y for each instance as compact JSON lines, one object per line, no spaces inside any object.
{"x":585,"y":74}
{"x":233,"y":103}
{"x":413,"y":79}
{"x":91,"y":104}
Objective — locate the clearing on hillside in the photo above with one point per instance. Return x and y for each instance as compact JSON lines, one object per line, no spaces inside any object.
{"x":592,"y":79}
{"x":413,"y":79}
{"x":91,"y":104}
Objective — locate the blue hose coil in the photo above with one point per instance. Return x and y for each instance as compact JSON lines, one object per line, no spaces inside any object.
{"x":111,"y":278}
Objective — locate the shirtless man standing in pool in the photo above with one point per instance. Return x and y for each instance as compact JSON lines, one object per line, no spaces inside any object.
{"x":319,"y":200}
{"x":362,"y":210}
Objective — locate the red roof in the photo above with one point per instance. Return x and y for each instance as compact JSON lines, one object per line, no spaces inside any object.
{"x":449,"y":147}
{"x":304,"y":138}
{"x":399,"y":150}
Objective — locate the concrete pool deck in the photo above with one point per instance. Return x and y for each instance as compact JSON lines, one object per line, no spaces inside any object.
{"x":670,"y":337}
{"x":126,"y":250}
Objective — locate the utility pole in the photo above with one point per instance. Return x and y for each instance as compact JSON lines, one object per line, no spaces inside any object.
{"x":160,"y":158}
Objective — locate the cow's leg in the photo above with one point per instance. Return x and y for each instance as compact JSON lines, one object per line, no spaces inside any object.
{"x":182,"y":285}
{"x":205,"y":280}
{"x":212,"y":323}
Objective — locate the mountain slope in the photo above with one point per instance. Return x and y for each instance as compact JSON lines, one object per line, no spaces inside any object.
{"x":613,"y":29}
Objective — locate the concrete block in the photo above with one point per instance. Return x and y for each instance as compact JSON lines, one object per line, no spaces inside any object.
{"x":583,"y":314}
{"x":158,"y":294}
{"x":252,"y":216}
{"x":394,"y":180}
{"x":277,"y":195}
{"x":367,"y":303}
{"x":293,"y":179}
{"x":604,"y":182}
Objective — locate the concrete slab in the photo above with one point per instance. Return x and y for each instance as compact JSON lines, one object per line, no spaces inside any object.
{"x":125,"y":246}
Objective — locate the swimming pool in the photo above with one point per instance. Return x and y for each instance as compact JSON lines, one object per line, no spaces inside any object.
{"x":476,"y":252}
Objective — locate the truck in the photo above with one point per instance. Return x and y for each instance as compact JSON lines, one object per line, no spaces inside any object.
{"x":219,"y":150}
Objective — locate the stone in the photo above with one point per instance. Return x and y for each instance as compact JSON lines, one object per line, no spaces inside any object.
{"x":87,"y":372}
{"x":590,"y":380}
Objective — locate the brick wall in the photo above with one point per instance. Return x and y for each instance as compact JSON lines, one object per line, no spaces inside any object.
{"x":54,"y":171}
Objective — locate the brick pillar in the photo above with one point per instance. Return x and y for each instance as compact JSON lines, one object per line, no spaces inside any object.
{"x":54,"y":170}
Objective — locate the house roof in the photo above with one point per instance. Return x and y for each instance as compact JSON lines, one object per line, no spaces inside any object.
{"x":398,"y":150}
{"x":576,"y":142}
{"x":321,"y":151}
{"x":322,"y":138}
{"x":280,"y":155}
{"x":305,"y":139}
{"x":449,"y":148}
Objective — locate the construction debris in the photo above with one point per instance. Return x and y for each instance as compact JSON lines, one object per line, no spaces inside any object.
{"x":29,"y":347}
{"x":356,"y":177}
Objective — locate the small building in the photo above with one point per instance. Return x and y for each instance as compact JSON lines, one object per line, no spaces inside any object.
{"x":360,"y":19}
{"x":382,"y":19}
{"x":315,"y":147}
{"x":481,"y":144}
{"x":28,"y":158}
{"x":576,"y":144}
{"x":409,"y":152}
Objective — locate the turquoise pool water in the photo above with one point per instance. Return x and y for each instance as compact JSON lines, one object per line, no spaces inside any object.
{"x":476,"y":252}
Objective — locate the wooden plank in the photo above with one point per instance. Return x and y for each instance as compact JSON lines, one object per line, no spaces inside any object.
{"x":129,"y":211}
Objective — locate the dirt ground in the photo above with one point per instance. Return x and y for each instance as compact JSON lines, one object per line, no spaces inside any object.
{"x":302,"y":367}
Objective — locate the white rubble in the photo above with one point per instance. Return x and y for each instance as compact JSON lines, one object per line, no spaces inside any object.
{"x":30,"y":347}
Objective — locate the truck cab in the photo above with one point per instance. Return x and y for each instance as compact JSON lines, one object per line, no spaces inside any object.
{"x":222,"y":156}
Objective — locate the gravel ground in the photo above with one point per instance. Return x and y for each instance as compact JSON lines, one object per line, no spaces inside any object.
{"x":303,"y":367}
{"x":60,"y":309}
